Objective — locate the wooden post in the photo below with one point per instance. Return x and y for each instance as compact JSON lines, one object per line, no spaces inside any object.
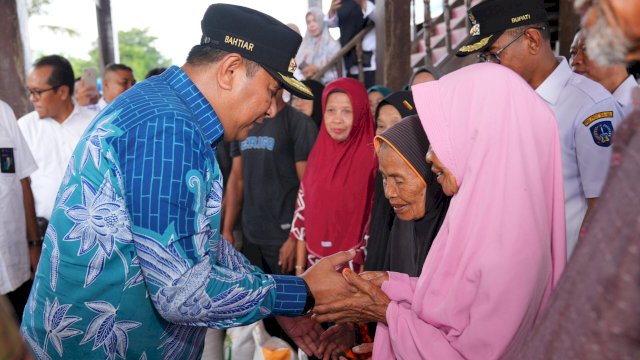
{"x":427,"y":27}
{"x":105,"y":33}
{"x":12,"y":56}
{"x":447,"y":21}
{"x":393,"y":45}
{"x":567,"y":25}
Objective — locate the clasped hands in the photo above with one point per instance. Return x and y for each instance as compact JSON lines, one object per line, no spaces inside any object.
{"x":343,"y":299}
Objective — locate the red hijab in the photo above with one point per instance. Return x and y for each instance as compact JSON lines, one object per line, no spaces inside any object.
{"x":339,"y":178}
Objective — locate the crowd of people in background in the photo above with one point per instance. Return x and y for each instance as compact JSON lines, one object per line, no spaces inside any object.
{"x":455,"y":203}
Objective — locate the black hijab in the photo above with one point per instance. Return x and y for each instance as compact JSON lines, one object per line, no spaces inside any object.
{"x":382,"y":215}
{"x":410,"y":241}
{"x":317,"y":89}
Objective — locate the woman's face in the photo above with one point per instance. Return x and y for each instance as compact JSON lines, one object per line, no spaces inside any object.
{"x":374,"y":99}
{"x":423,"y":77}
{"x":402,"y":187}
{"x":303,"y":105}
{"x":312,"y":25}
{"x":338,"y":116}
{"x":387,"y":117}
{"x":444,"y":176}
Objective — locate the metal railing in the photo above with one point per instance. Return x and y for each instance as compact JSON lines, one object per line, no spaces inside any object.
{"x":336,"y":61}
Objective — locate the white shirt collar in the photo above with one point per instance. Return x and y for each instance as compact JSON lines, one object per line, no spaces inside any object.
{"x":552,"y":86}
{"x":622,"y":94}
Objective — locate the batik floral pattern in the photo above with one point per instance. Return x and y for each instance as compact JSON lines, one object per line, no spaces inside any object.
{"x":100,"y":221}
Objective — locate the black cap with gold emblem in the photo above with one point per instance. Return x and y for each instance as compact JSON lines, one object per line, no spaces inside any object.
{"x":491,"y":18}
{"x":257,"y":37}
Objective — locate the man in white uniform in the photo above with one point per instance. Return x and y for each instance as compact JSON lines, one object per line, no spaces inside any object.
{"x":516,"y":35}
{"x":19,"y":241}
{"x":615,"y":78}
{"x":53,"y":130}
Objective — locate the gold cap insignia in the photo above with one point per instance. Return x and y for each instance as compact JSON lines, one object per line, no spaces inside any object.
{"x":477,"y":46}
{"x":292,"y":65}
{"x":475,"y":30}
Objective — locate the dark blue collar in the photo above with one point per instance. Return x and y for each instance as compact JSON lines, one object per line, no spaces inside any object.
{"x":204,"y":114}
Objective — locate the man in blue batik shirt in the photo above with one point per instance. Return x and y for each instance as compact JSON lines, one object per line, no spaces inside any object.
{"x":133,"y":265}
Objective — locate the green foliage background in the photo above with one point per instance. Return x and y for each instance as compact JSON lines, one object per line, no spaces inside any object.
{"x":136,"y":51}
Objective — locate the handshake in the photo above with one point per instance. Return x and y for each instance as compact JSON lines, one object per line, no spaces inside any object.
{"x":343,"y":299}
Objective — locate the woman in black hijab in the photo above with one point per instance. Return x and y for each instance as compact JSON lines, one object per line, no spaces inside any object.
{"x":415,"y":196}
{"x":311,"y":108}
{"x":388,"y":113}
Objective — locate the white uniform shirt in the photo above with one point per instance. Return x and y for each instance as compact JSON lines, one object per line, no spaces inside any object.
{"x":101,"y":104}
{"x":18,"y":164}
{"x":369,"y":39}
{"x":587,"y":116}
{"x":52,"y":144}
{"x":623,"y":95}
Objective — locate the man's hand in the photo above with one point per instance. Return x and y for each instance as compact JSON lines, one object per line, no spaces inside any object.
{"x":335,"y":5}
{"x":326,"y":284}
{"x":336,"y":340}
{"x":287,"y":255}
{"x":309,"y":71}
{"x":34,"y":257}
{"x":367,"y":305}
{"x":304,"y":332}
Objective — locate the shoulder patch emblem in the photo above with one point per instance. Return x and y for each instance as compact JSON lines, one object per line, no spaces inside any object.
{"x":597,"y":116}
{"x":602,"y":133}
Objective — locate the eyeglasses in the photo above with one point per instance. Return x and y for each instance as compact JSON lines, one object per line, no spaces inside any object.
{"x":494,"y":57}
{"x":37,"y":93}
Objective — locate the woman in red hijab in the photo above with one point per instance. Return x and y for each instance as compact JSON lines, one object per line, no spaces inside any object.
{"x":334,"y":202}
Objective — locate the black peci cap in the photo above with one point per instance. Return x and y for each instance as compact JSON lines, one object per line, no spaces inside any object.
{"x":491,"y":18}
{"x":257,"y":37}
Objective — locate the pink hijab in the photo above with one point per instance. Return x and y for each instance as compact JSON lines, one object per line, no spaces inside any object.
{"x":501,"y":248}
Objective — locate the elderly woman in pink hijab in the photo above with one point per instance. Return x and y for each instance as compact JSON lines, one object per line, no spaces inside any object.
{"x":501,"y":247}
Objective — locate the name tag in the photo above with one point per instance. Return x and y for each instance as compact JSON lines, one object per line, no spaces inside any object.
{"x":326,"y":243}
{"x":7,"y":161}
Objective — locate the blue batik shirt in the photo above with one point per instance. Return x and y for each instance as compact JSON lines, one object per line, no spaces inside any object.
{"x":133,"y":265}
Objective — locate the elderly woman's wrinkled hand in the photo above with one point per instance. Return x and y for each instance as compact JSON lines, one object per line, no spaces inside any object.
{"x":368,"y":304}
{"x":375,"y":277}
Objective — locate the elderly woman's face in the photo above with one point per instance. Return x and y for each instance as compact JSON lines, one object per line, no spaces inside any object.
{"x":387,"y":117}
{"x":444,"y":176}
{"x":404,"y":189}
{"x":338,"y":116}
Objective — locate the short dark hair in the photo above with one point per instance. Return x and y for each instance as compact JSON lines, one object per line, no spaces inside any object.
{"x":155,"y":71}
{"x":117,"y":67}
{"x":203,"y":54}
{"x":62,"y":73}
{"x":542,"y":27}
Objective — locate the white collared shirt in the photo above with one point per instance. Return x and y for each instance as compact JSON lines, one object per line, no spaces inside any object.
{"x":15,"y":267}
{"x":623,"y":94}
{"x":52,"y":144}
{"x":101,"y":104}
{"x":586,"y":113}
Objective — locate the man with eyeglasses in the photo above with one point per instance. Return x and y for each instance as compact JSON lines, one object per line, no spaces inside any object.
{"x":53,"y":130}
{"x":516,"y":35}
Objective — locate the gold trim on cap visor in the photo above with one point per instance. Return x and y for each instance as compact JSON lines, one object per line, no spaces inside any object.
{"x":477,"y":46}
{"x":296,"y":84}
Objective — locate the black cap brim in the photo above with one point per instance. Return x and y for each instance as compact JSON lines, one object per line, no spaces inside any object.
{"x":478,"y":43}
{"x":291,"y":84}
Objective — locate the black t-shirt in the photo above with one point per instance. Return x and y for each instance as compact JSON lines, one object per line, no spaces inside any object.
{"x":269,"y":157}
